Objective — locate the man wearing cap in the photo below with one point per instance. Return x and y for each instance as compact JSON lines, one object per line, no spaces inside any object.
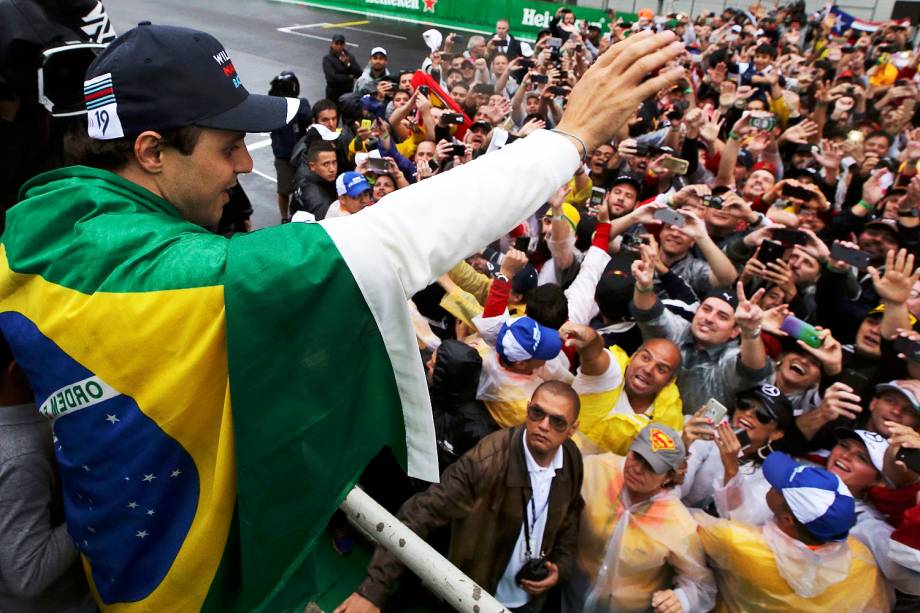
{"x":517,"y":367}
{"x":354,"y":194}
{"x":621,"y":394}
{"x":340,"y":69}
{"x":375,"y":70}
{"x":622,"y":195}
{"x":802,"y":559}
{"x":188,"y":440}
{"x":713,"y":364}
{"x":515,"y":496}
{"x":638,"y":548}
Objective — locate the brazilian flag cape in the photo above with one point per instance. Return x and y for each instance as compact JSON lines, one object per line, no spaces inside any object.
{"x":213,"y":400}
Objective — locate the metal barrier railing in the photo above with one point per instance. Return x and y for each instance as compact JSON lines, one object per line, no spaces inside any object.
{"x":436,"y":572}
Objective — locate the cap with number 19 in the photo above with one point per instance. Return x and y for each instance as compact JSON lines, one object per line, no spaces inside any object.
{"x":160,"y":78}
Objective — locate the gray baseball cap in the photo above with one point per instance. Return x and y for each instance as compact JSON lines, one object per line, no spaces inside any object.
{"x":660,"y":446}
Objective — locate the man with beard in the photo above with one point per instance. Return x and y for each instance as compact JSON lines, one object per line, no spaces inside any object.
{"x":621,"y":394}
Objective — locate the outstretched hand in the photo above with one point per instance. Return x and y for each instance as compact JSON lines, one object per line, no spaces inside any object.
{"x":609,"y":91}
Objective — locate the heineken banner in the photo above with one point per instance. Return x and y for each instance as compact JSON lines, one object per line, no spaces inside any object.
{"x":527,"y":17}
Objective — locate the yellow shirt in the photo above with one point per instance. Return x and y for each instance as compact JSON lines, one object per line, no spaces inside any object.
{"x":750,"y":575}
{"x":607,"y":421}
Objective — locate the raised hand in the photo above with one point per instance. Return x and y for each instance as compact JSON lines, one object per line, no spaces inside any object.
{"x":830,"y":353}
{"x":839,"y":401}
{"x":513,"y":262}
{"x":643,"y":269}
{"x":894,"y":286}
{"x":604,"y":98}
{"x":748,"y":316}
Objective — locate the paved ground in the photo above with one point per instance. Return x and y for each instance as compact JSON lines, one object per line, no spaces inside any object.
{"x":265,"y":37}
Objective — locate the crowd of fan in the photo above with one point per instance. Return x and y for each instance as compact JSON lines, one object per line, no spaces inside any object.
{"x":745,"y":249}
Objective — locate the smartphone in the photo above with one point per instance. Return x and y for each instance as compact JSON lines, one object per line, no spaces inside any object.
{"x":848,"y":49}
{"x":597,"y":196}
{"x":433,"y":165}
{"x":553,"y":42}
{"x":798,"y":329}
{"x":715,"y":411}
{"x":525,"y":62}
{"x":763,"y":123}
{"x":423,"y":90}
{"x":743,"y":438}
{"x":366,"y":124}
{"x":459,"y":39}
{"x":459,"y":149}
{"x":794,"y":191}
{"x":789,"y":237}
{"x":670,"y":217}
{"x":770,"y":251}
{"x":455,"y":118}
{"x":633,"y":241}
{"x":910,"y":457}
{"x":378,"y":165}
{"x":557,"y":90}
{"x":855,"y":136}
{"x":910,"y":349}
{"x":643,"y":149}
{"x":522,"y":243}
{"x":901,"y":83}
{"x":676,"y":165}
{"x":853,"y":257}
{"x":539,"y":78}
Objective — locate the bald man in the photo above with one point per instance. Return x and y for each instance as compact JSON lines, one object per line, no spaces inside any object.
{"x":621,"y":394}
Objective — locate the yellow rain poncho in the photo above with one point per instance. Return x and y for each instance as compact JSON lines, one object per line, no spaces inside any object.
{"x":763,"y":569}
{"x":627,"y":552}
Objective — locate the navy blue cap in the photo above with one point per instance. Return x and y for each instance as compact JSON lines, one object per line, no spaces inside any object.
{"x":159,"y":78}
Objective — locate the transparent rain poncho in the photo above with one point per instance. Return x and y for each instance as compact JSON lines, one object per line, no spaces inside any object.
{"x":627,"y":552}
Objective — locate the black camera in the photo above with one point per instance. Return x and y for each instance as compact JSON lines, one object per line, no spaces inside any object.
{"x":535,"y":569}
{"x":677,"y":110}
{"x":633,"y":241}
{"x":713,"y":202}
{"x":643,"y":150}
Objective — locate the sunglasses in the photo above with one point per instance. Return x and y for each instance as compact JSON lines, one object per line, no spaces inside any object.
{"x":762,"y":417}
{"x":536,"y":414}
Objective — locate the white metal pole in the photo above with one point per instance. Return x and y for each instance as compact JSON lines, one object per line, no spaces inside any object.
{"x":435,"y":571}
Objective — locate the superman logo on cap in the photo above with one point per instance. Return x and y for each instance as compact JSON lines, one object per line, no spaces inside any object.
{"x":661,"y":441}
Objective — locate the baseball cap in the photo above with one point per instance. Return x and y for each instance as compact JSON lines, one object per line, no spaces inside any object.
{"x":817,"y":498}
{"x":485,"y":125}
{"x":338,"y":38}
{"x":377,"y":50}
{"x":615,"y":288}
{"x":773,"y":402}
{"x":660,"y":446}
{"x":627,"y":180}
{"x":570,"y":213}
{"x":875,"y":443}
{"x":725,"y":294}
{"x":880,"y":309}
{"x":889,"y":225}
{"x":524,"y":280}
{"x":525,"y":339}
{"x":899,"y":387}
{"x":352,"y":184}
{"x":156,"y":77}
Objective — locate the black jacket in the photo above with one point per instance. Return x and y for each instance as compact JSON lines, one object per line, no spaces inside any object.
{"x":513,"y":50}
{"x":313,"y":195}
{"x":340,"y":78}
{"x":460,"y":421}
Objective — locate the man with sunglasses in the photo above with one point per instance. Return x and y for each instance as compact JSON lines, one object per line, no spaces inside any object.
{"x":484,"y":496}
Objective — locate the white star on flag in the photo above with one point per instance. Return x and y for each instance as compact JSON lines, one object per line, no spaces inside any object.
{"x":175,"y":473}
{"x":142,"y":534}
{"x":112,"y":419}
{"x":132,"y":505}
{"x":150,"y":511}
{"x":149,"y":477}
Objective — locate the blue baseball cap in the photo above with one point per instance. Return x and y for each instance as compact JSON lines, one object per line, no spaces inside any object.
{"x":816,"y":497}
{"x":525,"y":339}
{"x":352,"y":184}
{"x":156,"y":77}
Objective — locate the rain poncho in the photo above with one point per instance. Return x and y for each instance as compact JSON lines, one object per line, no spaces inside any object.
{"x":607,"y":420}
{"x":628,"y":552}
{"x":763,"y":569}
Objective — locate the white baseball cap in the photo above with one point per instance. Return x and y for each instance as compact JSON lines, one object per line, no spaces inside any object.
{"x":875,"y":443}
{"x":377,"y":50}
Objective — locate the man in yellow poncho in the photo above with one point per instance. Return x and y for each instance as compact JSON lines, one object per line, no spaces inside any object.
{"x":621,"y":395}
{"x":801,"y":560}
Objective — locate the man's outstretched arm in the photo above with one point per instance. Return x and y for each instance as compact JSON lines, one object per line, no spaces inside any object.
{"x":423,"y":230}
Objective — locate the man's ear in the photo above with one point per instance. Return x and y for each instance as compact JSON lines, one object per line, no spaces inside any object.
{"x":148,"y":150}
{"x":735,"y":332}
